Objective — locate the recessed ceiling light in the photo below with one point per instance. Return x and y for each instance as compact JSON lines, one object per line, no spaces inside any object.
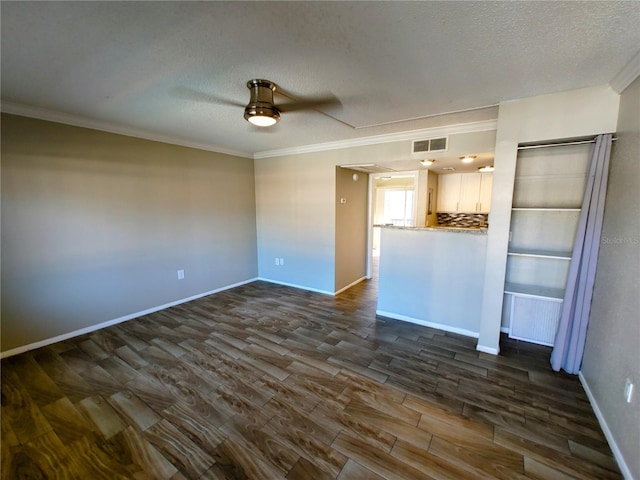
{"x":427,"y":163}
{"x":486,"y":168}
{"x":468,"y":158}
{"x":451,"y":169}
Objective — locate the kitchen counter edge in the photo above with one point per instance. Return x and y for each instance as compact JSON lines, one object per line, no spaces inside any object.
{"x":465,"y":230}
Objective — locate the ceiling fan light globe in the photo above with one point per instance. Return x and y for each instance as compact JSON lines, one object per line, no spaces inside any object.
{"x":261,"y":116}
{"x":262,"y":121}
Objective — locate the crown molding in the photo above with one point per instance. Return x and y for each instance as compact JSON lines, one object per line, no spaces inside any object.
{"x":80,"y":121}
{"x":425,"y":133}
{"x":627,"y":75}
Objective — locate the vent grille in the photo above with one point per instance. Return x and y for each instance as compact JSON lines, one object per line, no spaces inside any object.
{"x":535,"y":320}
{"x":421,"y":146}
{"x":430,"y":145}
{"x":438,"y":144}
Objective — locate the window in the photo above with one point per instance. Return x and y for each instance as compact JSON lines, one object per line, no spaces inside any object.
{"x":398,"y":207}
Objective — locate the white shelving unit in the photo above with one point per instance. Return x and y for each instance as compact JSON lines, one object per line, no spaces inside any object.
{"x":548,"y":192}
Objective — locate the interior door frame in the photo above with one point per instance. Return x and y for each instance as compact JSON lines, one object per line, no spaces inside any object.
{"x":371,"y":202}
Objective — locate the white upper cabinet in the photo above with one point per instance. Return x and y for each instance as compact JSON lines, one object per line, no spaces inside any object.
{"x":469,"y":192}
{"x":465,"y":192}
{"x":448,"y":192}
{"x":486,"y":184}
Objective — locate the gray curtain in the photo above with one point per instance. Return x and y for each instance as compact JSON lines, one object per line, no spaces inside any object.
{"x":572,"y":331}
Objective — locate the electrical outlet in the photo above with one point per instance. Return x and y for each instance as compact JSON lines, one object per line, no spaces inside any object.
{"x":180,"y":274}
{"x":277,"y":261}
{"x":628,"y":391}
{"x":282,"y":261}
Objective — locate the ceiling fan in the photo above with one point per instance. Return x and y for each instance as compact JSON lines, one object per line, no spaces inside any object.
{"x":261,"y":110}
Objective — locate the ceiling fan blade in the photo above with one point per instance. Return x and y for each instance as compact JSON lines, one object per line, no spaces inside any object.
{"x":321,"y":103}
{"x":187,"y":93}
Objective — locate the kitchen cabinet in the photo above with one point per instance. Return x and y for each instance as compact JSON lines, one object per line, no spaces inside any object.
{"x":486,"y":184}
{"x":548,"y":192}
{"x":448,"y":192}
{"x":465,"y":192}
{"x":469,"y":192}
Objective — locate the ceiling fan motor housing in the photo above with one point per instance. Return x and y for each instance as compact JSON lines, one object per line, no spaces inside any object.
{"x":261,"y":101}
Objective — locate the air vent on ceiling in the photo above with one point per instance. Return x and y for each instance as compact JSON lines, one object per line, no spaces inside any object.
{"x":430,"y":145}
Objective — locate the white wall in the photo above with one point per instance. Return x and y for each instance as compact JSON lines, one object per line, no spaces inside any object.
{"x":612,"y":352}
{"x":577,"y":113}
{"x":432,"y":277}
{"x":95,"y":226}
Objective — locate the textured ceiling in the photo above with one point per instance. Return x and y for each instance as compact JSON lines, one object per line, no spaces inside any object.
{"x":166,"y":69}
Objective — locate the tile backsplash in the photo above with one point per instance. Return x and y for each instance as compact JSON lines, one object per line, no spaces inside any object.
{"x":463,"y":219}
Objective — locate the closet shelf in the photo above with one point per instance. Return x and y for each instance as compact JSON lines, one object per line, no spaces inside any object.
{"x":545,"y":209}
{"x":534,"y":291}
{"x":525,"y":252}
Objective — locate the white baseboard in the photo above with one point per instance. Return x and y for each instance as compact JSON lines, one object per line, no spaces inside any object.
{"x":624,"y":468}
{"x":115,"y":321}
{"x":492,"y":350}
{"x":425,"y":323}
{"x":485,"y":349}
{"x":301,"y":287}
{"x":350,"y":285}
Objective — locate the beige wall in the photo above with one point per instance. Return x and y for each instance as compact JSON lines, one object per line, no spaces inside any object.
{"x":295,"y":207}
{"x":351,"y":227}
{"x":95,"y":226}
{"x":612,"y":352}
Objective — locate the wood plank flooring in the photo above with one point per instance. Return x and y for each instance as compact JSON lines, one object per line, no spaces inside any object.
{"x":270,"y":382}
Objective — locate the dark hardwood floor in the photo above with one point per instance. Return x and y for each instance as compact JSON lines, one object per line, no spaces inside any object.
{"x":267,"y":382}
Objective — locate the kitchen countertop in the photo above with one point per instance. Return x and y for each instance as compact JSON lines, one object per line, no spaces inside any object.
{"x":443,"y":228}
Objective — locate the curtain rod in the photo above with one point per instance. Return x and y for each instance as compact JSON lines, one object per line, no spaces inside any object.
{"x":560,"y":144}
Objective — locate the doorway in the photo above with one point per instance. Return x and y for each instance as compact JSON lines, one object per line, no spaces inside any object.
{"x":393,"y":200}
